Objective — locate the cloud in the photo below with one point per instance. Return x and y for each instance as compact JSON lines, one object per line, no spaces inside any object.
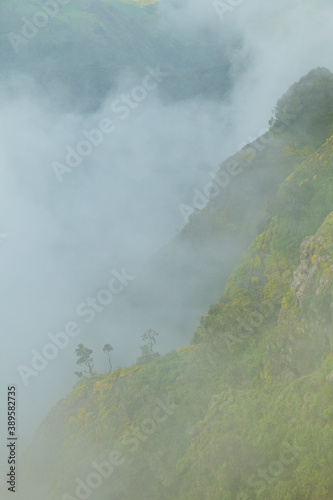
{"x":114,"y":210}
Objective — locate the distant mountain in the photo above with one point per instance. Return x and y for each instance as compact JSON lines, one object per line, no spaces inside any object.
{"x":87,"y":45}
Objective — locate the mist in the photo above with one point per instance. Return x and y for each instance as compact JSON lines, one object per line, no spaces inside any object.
{"x":67,"y":230}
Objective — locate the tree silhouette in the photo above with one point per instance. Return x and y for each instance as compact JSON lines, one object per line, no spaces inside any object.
{"x":107,"y":349}
{"x":85,"y":359}
{"x":147,"y":351}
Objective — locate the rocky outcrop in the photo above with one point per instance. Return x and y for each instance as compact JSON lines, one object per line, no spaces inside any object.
{"x":314,"y":276}
{"x":304,"y":274}
{"x":305,"y":335}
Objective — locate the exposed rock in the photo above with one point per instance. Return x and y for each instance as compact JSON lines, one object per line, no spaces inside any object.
{"x":303,"y":275}
{"x":313,"y":256}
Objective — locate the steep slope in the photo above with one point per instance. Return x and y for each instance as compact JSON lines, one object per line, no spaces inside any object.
{"x":183,"y":279}
{"x":274,"y":442}
{"x":245,"y":413}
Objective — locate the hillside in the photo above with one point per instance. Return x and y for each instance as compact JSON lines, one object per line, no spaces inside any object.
{"x":246,"y":411}
{"x":189,"y":274}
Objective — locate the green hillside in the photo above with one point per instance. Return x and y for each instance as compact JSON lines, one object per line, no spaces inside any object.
{"x":246,"y":411}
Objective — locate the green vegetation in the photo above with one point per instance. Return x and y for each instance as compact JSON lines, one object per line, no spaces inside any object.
{"x":248,"y":407}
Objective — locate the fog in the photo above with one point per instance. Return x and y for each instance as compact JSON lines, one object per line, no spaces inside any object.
{"x":111,"y":212}
{"x":66,"y":233}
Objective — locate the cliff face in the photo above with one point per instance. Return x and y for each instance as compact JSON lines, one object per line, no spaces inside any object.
{"x":313,"y":281}
{"x":303,"y":276}
{"x":314,"y":276}
{"x":303,"y":336}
